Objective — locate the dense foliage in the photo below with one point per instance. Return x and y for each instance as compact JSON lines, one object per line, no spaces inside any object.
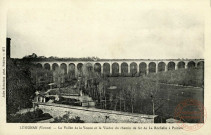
{"x":20,"y":90}
{"x":67,"y":119}
{"x":34,"y":57}
{"x":29,"y":117}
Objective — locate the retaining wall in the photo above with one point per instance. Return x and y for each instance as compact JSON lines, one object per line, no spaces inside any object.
{"x":93,"y":115}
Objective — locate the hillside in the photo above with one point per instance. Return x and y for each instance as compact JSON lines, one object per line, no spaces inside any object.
{"x":185,"y":77}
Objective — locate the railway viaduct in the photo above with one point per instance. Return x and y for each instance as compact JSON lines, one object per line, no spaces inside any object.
{"x":122,"y":66}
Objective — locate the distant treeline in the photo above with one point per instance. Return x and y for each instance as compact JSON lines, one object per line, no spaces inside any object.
{"x":34,"y":57}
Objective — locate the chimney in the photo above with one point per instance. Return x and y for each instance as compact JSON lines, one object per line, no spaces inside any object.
{"x":8,"y":47}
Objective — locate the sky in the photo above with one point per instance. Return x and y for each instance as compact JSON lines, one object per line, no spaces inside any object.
{"x":107,"y":30}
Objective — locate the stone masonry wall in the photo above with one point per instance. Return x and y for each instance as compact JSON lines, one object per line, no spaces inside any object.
{"x":93,"y":115}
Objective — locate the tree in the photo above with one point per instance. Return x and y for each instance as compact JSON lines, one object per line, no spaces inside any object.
{"x":128,"y":94}
{"x":40,"y":76}
{"x":103,"y":84}
{"x":20,"y":90}
{"x":132,"y":91}
{"x":149,"y":90}
{"x":90,"y":80}
{"x":123,"y":97}
{"x":30,"y":56}
{"x":59,"y":76}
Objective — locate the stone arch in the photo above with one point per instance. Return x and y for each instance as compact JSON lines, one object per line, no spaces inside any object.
{"x":55,"y":66}
{"x":97,"y":67}
{"x":79,"y":68}
{"x":171,"y":66}
{"x":71,"y":70}
{"x":115,"y":69}
{"x":152,"y":67}
{"x":71,"y":67}
{"x":47,"y":66}
{"x":124,"y":69}
{"x":181,"y":65}
{"x":106,"y":69}
{"x":191,"y":64}
{"x":143,"y":68}
{"x":200,"y":64}
{"x":63,"y":67}
{"x":161,"y":66}
{"x":133,"y":68}
{"x":89,"y":67}
{"x":38,"y":65}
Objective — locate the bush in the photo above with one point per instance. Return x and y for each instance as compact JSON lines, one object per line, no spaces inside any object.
{"x":29,"y":117}
{"x":66,"y":119}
